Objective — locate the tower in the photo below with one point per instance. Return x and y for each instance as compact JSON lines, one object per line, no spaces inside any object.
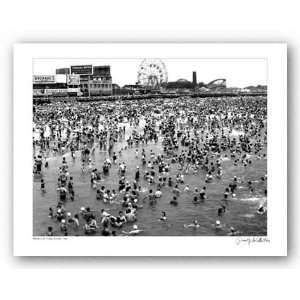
{"x":194,"y":78}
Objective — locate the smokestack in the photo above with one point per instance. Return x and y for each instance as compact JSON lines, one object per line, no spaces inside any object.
{"x":194,"y":78}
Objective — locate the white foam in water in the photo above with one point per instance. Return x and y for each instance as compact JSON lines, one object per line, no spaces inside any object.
{"x":235,"y":132}
{"x":248,"y":215}
{"x":225,"y":158}
{"x":51,"y":158}
{"x":262,"y":199}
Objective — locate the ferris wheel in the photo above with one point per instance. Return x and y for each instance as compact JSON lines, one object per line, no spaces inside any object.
{"x":152,"y":73}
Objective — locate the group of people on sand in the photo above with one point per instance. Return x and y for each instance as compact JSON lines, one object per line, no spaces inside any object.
{"x":196,"y":137}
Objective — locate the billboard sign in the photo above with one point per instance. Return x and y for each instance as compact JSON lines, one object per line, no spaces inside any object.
{"x":82,"y":70}
{"x":73,"y":79}
{"x":61,"y":78}
{"x":73,"y":90}
{"x":43,"y":78}
{"x":53,"y":92}
{"x":102,"y":71}
{"x":56,"y":91}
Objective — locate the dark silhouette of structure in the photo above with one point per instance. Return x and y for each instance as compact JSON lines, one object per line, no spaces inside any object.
{"x":194,"y":78}
{"x":63,"y":71}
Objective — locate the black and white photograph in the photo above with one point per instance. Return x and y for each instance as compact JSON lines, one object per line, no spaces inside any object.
{"x":150,"y":146}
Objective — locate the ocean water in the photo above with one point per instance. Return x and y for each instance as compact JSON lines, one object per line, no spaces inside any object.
{"x":241,"y":212}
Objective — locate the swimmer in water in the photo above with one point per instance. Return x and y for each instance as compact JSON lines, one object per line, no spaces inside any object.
{"x":221,"y":210}
{"x":194,"y":225}
{"x":218,"y":225}
{"x":50,"y":231}
{"x":51,"y":213}
{"x":203,"y":194}
{"x":63,"y":227}
{"x":83,"y":169}
{"x":209,"y":177}
{"x":233,"y":232}
{"x":163,"y":216}
{"x":174,"y":201}
{"x":187,"y":188}
{"x":134,"y":231}
{"x":176,"y":191}
{"x":261,"y":210}
{"x":76,"y":220}
{"x":158,"y":193}
{"x":43,"y":189}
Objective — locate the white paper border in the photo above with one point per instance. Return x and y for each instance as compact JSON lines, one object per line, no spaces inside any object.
{"x":26,"y":245}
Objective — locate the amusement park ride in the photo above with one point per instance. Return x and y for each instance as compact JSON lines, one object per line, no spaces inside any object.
{"x":152,"y":73}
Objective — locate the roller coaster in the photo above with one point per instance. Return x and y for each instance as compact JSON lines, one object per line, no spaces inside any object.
{"x":217,"y":83}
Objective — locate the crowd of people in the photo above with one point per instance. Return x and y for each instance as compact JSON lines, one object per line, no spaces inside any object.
{"x":173,"y":143}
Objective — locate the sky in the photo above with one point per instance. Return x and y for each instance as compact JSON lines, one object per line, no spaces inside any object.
{"x":238,"y":72}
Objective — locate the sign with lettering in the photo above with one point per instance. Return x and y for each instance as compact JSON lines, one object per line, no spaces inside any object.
{"x":44,"y":78}
{"x":82,"y":70}
{"x":56,"y":91}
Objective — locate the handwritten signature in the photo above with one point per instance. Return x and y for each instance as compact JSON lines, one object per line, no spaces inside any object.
{"x":50,"y":238}
{"x":252,"y":240}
